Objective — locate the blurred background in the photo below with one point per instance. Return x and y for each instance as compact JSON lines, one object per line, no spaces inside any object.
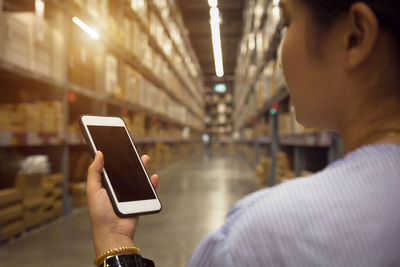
{"x":199,"y":86}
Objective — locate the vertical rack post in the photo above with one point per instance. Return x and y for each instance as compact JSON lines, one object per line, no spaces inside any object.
{"x":336,"y":148}
{"x":299,"y":160}
{"x":274,"y":120}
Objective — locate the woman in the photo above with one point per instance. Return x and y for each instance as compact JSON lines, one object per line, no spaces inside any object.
{"x":341,"y":64}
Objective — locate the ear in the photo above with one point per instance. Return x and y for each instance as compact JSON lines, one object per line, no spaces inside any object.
{"x":361,"y":36}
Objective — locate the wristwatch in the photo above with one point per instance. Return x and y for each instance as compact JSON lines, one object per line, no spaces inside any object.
{"x":127,"y":260}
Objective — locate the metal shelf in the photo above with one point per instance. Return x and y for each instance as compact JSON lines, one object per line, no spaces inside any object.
{"x":78,"y":140}
{"x":33,"y":139}
{"x":167,"y":140}
{"x":322,"y":139}
{"x":124,"y":54}
{"x":154,"y":44}
{"x":268,"y":56}
{"x":29,"y":139}
{"x":148,"y":112}
{"x":157,"y":12}
{"x":19,"y":73}
{"x":278,"y":97}
{"x":183,"y":31}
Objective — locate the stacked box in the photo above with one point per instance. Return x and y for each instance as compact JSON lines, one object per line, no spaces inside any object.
{"x":31,"y":188}
{"x":78,"y":166}
{"x":41,"y":59}
{"x":78,"y":193}
{"x":81,"y":66}
{"x":31,"y":115}
{"x":283,"y":170}
{"x":112,"y":83}
{"x":11,"y":213}
{"x":131,"y":84}
{"x":285,"y":124}
{"x":11,"y":119}
{"x":16,"y":39}
{"x":154,"y":129}
{"x":263,"y":129}
{"x":51,"y":117}
{"x":127,"y":27}
{"x":52,"y":186}
{"x":264,"y":169}
{"x":141,"y":9}
{"x":27,"y":41}
{"x":138,"y":125}
{"x":58,"y":67}
{"x":44,"y":117}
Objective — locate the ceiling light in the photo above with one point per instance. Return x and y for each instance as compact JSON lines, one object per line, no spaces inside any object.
{"x":39,"y":8}
{"x":213,"y":3}
{"x":93,"y":33}
{"x":216,"y":41}
{"x":276,"y":12}
{"x":220,"y":88}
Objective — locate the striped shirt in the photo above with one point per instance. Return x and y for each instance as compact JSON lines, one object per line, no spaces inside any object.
{"x":345,"y":215}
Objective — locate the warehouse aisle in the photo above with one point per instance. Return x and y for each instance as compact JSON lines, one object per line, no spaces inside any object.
{"x":196,"y":194}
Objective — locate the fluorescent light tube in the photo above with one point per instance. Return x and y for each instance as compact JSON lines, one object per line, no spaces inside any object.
{"x":216,"y":41}
{"x":39,"y":7}
{"x":213,"y":3}
{"x":94,"y":34}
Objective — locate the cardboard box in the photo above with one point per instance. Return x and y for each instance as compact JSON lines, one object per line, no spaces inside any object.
{"x":112,"y":83}
{"x":12,"y":229}
{"x":58,"y":67}
{"x":10,"y":197}
{"x":30,"y":185}
{"x":16,"y":39}
{"x":79,"y":164}
{"x":58,"y":192}
{"x":81,"y":66}
{"x":11,"y":214}
{"x":48,"y":202}
{"x":33,"y":216}
{"x":56,"y":178}
{"x":132,"y":81}
{"x":41,"y":58}
{"x":58,"y":208}
{"x":77,"y":188}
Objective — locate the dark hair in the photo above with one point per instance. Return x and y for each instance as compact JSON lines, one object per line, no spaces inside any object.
{"x":386,"y":11}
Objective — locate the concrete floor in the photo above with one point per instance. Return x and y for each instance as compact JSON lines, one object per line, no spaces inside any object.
{"x":196,"y":194}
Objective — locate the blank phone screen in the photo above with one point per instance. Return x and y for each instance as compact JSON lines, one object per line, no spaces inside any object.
{"x":121,"y":163}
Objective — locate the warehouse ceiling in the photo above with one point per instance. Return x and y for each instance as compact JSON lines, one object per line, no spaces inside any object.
{"x":197,"y":20}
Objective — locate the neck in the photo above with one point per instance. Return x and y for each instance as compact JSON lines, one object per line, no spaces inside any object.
{"x":368,"y":132}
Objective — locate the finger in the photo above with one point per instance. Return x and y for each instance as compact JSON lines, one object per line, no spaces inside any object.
{"x":94,"y":172}
{"x":145,"y":160}
{"x":154,"y":181}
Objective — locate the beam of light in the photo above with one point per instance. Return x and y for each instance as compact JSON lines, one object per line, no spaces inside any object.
{"x":94,"y":34}
{"x":216,"y":41}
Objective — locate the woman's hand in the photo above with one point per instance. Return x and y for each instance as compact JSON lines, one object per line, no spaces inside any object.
{"x":109,"y":230}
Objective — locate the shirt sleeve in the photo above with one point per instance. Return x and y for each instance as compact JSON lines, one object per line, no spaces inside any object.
{"x":217,"y":248}
{"x":212,"y":251}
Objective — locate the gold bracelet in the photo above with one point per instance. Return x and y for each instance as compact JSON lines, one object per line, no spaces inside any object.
{"x":116,"y":251}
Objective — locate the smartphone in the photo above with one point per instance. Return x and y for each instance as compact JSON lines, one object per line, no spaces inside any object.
{"x":124,"y":176}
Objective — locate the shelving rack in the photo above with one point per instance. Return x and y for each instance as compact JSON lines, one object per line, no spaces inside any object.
{"x":259,"y":48}
{"x":184,"y":91}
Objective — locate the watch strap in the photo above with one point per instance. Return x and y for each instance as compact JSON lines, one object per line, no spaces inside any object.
{"x":127,"y":260}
